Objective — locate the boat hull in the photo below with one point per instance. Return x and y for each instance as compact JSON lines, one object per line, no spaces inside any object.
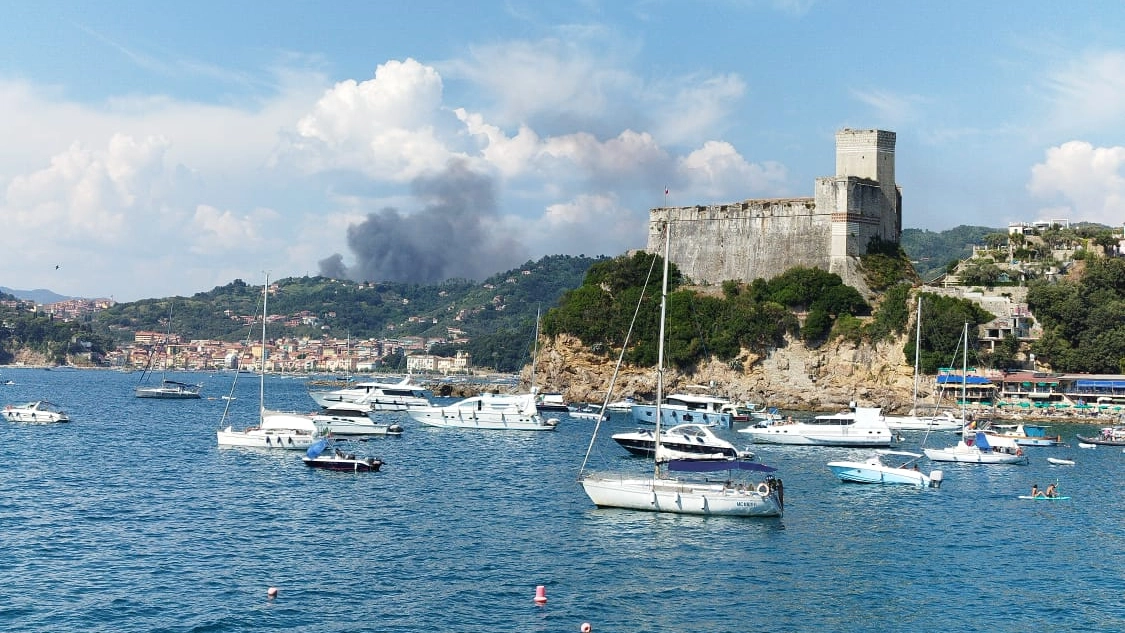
{"x":1100,"y":441}
{"x":342,"y":464}
{"x":676,"y":497}
{"x":861,"y":473}
{"x":256,"y":438}
{"x":508,"y":422}
{"x":972,"y":457}
{"x":778,"y":435}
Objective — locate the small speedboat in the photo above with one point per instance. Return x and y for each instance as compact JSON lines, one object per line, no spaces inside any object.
{"x":39,"y":412}
{"x":318,"y":457}
{"x":887,"y":467}
{"x":1058,"y":461}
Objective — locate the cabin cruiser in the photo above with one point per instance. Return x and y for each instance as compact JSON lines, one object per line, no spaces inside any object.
{"x":944,"y":421}
{"x":378,"y":396}
{"x":352,"y":418}
{"x":487,"y":411}
{"x":860,"y":426}
{"x":681,"y":408}
{"x":39,"y":412}
{"x":682,"y":441}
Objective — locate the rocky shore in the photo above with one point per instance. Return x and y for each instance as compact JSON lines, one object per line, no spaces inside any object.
{"x":828,"y":378}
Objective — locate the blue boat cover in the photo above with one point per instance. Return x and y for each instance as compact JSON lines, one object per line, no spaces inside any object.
{"x":715,"y":465}
{"x":982,"y":442}
{"x":317,"y":448}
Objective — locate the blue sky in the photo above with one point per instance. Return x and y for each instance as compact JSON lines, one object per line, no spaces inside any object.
{"x":154,"y":149}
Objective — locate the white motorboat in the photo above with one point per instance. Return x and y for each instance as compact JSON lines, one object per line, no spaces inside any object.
{"x":621,"y":406}
{"x":944,"y":421}
{"x":38,"y":412}
{"x":663,"y":492}
{"x":378,"y":396}
{"x":275,"y":429}
{"x":860,"y":426}
{"x":680,"y":408}
{"x":683,"y":441}
{"x":487,"y":411}
{"x":887,"y":467}
{"x":980,"y":449}
{"x":352,"y":418}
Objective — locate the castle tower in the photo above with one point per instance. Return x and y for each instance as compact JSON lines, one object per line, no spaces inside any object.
{"x":863,"y":196}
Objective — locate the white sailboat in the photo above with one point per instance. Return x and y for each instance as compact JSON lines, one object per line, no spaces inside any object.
{"x":914,"y":422}
{"x":978,"y":449}
{"x":275,"y":429}
{"x":662,"y":492}
{"x":167,"y":389}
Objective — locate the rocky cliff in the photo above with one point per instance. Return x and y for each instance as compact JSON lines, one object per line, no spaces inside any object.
{"x":794,"y":377}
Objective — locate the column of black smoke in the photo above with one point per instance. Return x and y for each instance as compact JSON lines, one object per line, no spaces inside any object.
{"x":454,"y":235}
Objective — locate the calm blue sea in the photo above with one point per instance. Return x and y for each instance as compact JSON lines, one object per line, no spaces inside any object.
{"x":130,"y":519}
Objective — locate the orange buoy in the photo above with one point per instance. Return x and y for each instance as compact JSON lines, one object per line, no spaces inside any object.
{"x":541,"y":595}
{"x":271,"y":592}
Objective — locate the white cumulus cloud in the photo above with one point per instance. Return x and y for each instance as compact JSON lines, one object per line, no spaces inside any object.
{"x":1089,"y":180}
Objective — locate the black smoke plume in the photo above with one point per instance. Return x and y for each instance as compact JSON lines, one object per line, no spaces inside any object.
{"x":454,"y":235}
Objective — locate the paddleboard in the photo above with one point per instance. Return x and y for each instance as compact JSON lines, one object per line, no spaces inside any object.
{"x":1060,"y":462}
{"x":1031,"y":498}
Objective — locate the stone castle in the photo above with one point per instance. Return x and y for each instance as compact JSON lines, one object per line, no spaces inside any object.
{"x":764,"y":238}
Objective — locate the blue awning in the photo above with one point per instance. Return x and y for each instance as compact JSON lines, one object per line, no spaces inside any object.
{"x":1100,"y":384}
{"x":715,"y":465}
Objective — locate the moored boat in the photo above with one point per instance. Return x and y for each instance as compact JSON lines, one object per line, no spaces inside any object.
{"x":887,"y":467}
{"x":317,"y":456}
{"x":487,"y":412}
{"x":861,"y":426}
{"x":38,"y":412}
{"x":683,"y":441}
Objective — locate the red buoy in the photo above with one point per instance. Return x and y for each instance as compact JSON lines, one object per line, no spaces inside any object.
{"x":541,"y":595}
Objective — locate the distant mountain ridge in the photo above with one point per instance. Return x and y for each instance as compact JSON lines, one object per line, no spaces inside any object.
{"x":39,"y":295}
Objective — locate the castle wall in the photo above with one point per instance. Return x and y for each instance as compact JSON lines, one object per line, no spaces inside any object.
{"x":747,"y":240}
{"x":764,"y":238}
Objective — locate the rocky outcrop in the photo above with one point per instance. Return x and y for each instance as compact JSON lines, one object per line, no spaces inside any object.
{"x":793,"y":377}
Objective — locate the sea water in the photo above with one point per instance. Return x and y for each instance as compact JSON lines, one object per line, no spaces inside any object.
{"x":129,"y":518}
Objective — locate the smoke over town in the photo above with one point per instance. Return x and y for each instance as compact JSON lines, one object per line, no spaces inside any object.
{"x":456,"y":234}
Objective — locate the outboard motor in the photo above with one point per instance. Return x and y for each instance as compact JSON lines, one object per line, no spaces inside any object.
{"x":935,"y":478}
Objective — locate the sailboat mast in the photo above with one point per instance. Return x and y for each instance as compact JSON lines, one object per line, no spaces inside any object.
{"x":262,"y":373}
{"x":964,"y":373}
{"x":917,"y":352}
{"x":660,"y":350}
